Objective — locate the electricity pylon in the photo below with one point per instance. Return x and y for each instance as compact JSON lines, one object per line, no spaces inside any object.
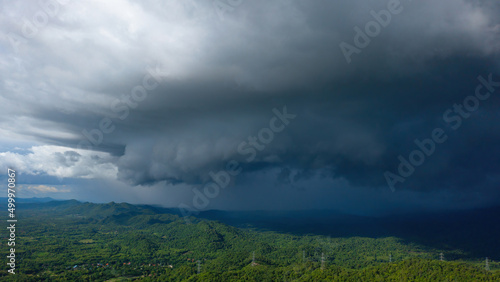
{"x":322,"y":261}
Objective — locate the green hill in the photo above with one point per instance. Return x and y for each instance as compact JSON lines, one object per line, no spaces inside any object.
{"x":73,"y":241}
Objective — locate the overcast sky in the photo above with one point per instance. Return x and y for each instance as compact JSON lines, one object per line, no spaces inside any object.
{"x":298,"y":104}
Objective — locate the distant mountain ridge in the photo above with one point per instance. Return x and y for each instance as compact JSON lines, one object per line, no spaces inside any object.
{"x":30,"y":200}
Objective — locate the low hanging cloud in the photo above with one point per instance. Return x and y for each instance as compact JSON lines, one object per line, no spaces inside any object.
{"x":73,"y":80}
{"x":43,"y":189}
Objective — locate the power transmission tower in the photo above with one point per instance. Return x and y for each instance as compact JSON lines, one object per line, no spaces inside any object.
{"x":441,"y":257}
{"x":487,"y":266}
{"x":390,"y":257}
{"x":285,"y":276}
{"x":253,"y":258}
{"x":322,"y":261}
{"x":304,"y":256}
{"x":199,"y":266}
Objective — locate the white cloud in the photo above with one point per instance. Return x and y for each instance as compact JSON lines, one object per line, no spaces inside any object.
{"x":43,"y":189}
{"x":60,"y":162}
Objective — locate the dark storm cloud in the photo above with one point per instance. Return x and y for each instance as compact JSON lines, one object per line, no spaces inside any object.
{"x":225,"y":75}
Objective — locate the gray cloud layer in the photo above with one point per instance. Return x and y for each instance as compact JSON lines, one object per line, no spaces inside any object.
{"x":221,"y":78}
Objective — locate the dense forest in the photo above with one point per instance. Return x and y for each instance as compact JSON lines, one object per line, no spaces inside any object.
{"x":74,"y":241}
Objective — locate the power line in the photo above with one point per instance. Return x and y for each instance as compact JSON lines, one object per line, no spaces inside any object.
{"x":322,"y":261}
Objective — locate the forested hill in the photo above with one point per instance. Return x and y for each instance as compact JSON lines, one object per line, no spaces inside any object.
{"x":71,"y":241}
{"x":476,"y":232}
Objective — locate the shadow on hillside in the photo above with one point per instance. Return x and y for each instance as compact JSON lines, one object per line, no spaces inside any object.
{"x":474,"y":232}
